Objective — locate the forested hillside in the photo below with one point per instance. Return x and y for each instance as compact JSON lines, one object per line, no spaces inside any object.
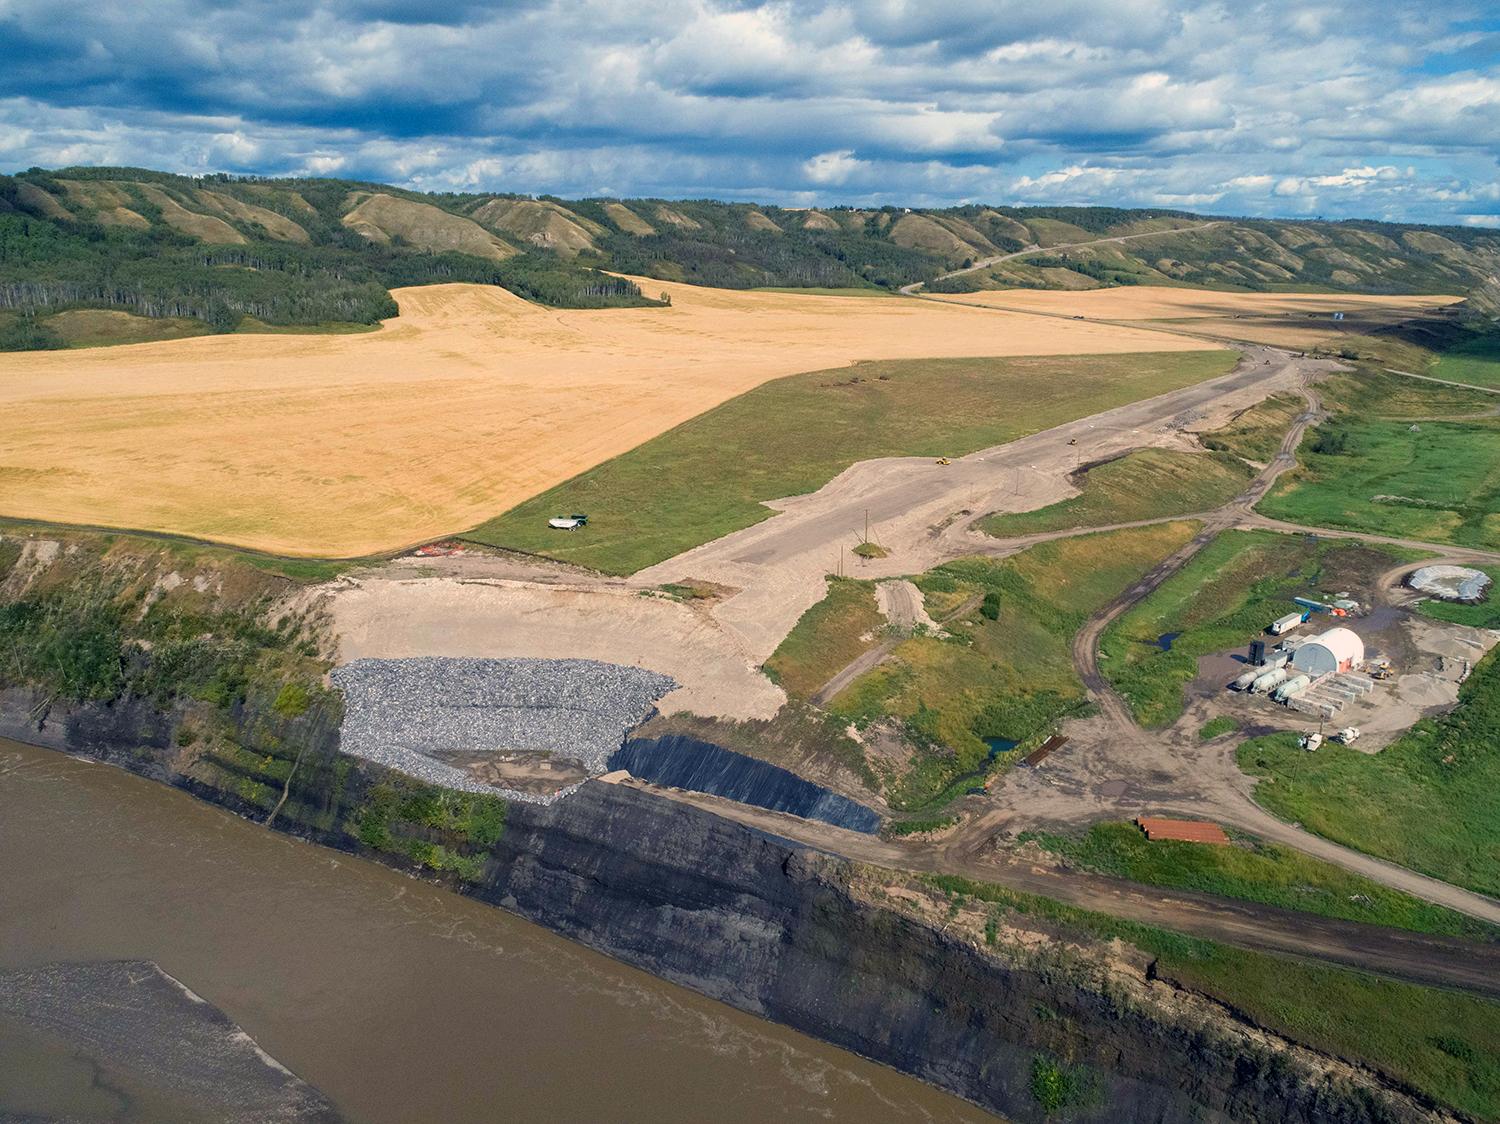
{"x":222,"y":254}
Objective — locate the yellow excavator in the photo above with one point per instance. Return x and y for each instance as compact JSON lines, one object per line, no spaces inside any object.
{"x":944,"y":460}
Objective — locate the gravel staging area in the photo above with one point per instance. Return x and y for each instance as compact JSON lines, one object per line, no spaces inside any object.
{"x":1450,"y":583}
{"x":398,"y":712}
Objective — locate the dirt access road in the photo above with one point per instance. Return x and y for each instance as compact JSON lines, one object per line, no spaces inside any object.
{"x":984,"y":263}
{"x":1416,"y":957}
{"x":919,"y":510}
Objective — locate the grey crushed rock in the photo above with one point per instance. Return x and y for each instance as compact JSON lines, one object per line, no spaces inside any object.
{"x":398,"y":712}
{"x":1450,"y":583}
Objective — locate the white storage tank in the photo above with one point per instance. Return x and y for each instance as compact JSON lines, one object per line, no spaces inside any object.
{"x":1249,"y":677}
{"x":1293,"y":686}
{"x":1329,"y":652}
{"x":1266,"y":681}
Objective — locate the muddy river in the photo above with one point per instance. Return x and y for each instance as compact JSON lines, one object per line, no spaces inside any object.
{"x":399,"y":1001}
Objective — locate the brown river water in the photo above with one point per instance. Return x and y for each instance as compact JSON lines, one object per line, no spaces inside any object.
{"x":400,"y":1001}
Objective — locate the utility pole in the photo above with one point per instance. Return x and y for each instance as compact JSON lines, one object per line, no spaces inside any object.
{"x":867,"y":524}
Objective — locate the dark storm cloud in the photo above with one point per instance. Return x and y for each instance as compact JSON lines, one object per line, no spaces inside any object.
{"x":1280,"y":107}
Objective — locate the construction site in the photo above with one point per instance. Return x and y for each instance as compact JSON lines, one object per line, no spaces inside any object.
{"x":1340,"y":669}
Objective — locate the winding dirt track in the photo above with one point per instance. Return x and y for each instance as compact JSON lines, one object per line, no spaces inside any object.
{"x":1215,"y":787}
{"x":984,"y":263}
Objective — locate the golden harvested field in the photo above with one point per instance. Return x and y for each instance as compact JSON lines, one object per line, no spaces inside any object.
{"x":469,"y":402}
{"x":1295,"y":320}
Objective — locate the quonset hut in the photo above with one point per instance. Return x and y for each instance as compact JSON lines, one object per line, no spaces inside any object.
{"x":1336,"y":650}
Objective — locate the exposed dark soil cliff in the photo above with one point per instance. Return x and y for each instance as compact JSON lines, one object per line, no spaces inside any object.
{"x":1036,"y":1024}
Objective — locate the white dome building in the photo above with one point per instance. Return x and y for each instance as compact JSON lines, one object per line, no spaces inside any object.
{"x":1338,"y":649}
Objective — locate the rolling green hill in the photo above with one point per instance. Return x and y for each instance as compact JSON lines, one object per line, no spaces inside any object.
{"x":230,"y":252}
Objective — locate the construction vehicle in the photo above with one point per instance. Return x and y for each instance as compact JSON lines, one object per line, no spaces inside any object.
{"x":1072,"y":440}
{"x":1310,"y":742}
{"x":1380,"y":669}
{"x":944,"y":460}
{"x":1347,"y":736}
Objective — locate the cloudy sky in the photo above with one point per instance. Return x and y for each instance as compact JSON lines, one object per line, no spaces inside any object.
{"x":1385,"y":110}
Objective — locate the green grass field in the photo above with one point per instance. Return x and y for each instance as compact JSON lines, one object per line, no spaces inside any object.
{"x":1439,"y":482}
{"x":1475,"y":361}
{"x":1146,"y":484}
{"x":1443,"y":1044}
{"x":827,"y":637}
{"x":1428,"y":801}
{"x":709,"y":476}
{"x":1257,"y":871}
{"x":1218,"y":727}
{"x":1009,"y":677}
{"x":1372,"y":393}
{"x":1222,"y":599}
{"x":1256,"y":433}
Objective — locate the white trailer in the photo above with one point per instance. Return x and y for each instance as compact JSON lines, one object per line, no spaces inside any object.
{"x":1285,"y":624}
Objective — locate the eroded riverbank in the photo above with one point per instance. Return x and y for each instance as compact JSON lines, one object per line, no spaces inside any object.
{"x":401,"y":1001}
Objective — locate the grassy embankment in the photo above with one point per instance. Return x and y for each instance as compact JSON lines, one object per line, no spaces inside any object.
{"x":1476,"y":361}
{"x":1258,"y":871}
{"x":1146,"y":484}
{"x":1256,"y":433}
{"x":1443,"y":1044}
{"x":832,"y":634}
{"x":1427,"y":801}
{"x":1008,"y":675}
{"x":1221,"y":599}
{"x":710,"y":476}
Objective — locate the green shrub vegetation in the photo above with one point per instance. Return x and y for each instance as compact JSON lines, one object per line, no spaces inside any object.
{"x":1009,"y":678}
{"x":1426,"y":802}
{"x":96,"y":625}
{"x":1056,"y":1086}
{"x":710,"y":476}
{"x":1147,"y":484}
{"x":434,"y":828}
{"x":1223,"y":598}
{"x":1254,"y":870}
{"x":1443,"y":1044}
{"x":919,"y":825}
